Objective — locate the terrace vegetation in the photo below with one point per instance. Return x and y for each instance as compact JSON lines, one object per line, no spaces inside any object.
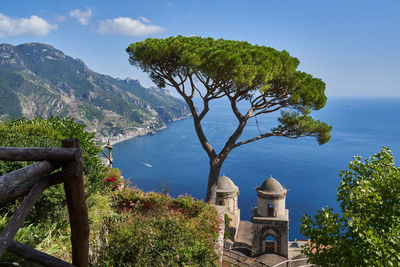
{"x":127,"y":226}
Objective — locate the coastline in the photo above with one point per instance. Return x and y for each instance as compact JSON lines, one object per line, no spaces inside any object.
{"x":132,"y":134}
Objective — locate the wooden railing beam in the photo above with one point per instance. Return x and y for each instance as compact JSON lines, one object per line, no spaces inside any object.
{"x":6,"y":237}
{"x":19,"y":182}
{"x":38,"y":154}
{"x":33,"y":255}
{"x":55,"y":178}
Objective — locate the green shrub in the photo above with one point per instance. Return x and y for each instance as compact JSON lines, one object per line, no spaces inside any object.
{"x":157,"y":230}
{"x":113,"y":179}
{"x":49,"y":133}
{"x":50,"y":237}
{"x":227,"y":232}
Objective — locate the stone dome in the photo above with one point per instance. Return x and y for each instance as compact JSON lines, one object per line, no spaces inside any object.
{"x":226,"y":185}
{"x":271,"y":186}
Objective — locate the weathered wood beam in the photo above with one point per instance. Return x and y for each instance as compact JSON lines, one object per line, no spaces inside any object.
{"x":77,"y":210}
{"x":19,"y":182}
{"x":38,"y":154}
{"x":6,"y":237}
{"x":55,"y":178}
{"x":33,"y":255}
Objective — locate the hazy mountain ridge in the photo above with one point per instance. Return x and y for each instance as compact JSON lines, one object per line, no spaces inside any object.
{"x":39,"y":80}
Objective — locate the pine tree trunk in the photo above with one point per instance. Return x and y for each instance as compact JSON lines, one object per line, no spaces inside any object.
{"x":215,"y":168}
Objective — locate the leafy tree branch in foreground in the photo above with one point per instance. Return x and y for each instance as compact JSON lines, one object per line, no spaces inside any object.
{"x":368,"y":231}
{"x":267,"y":79}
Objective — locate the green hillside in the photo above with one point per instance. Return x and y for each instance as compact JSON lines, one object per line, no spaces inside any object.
{"x":37,"y":80}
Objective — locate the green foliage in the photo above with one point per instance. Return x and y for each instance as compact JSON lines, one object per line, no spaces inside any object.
{"x":299,"y":125}
{"x":240,"y":65}
{"x":113,"y":180}
{"x":227,"y":232}
{"x":49,"y":133}
{"x":9,"y":102}
{"x":156,"y":230}
{"x":368,"y":232}
{"x":91,"y":112}
{"x":51,"y":237}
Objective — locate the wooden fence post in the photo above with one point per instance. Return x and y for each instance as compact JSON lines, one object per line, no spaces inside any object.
{"x":76,"y":201}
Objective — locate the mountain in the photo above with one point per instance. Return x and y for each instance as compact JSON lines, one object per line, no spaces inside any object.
{"x":37,"y":80}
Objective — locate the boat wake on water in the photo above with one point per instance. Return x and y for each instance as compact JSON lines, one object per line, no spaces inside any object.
{"x":147,"y":165}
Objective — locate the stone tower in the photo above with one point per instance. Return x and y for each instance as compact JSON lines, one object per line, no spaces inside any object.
{"x":227,"y":196}
{"x":271,"y":219}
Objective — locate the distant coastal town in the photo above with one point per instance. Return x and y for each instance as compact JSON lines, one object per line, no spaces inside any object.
{"x":128,"y":134}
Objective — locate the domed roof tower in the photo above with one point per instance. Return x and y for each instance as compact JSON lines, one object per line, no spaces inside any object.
{"x":271,"y":219}
{"x":271,"y":186}
{"x":271,"y":198}
{"x":227,"y":196}
{"x":225,"y":185}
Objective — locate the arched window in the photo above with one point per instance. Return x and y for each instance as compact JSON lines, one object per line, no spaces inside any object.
{"x":270,"y":210}
{"x":269,"y":244}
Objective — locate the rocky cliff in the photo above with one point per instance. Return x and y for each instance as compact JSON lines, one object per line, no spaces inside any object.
{"x":37,"y":80}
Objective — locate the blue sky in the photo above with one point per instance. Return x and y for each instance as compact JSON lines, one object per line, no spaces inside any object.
{"x":353,"y":45}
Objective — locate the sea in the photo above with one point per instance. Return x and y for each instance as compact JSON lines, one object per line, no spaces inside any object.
{"x":173,"y":159}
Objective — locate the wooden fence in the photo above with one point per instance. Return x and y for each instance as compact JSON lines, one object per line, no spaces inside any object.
{"x":57,"y":165}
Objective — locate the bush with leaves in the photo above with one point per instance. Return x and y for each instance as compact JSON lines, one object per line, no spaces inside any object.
{"x":156,"y":230}
{"x":368,"y":231}
{"x":49,"y":133}
{"x":113,"y":179}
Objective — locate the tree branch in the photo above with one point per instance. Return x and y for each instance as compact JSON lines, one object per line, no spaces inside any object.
{"x":267,"y":111}
{"x":205,"y":106}
{"x":197,"y":120}
{"x":266,"y":135}
{"x":193,"y":87}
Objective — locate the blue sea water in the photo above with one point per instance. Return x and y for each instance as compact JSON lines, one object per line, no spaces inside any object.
{"x":310,"y":172}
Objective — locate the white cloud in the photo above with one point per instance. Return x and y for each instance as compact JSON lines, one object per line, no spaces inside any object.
{"x":24,"y":26}
{"x":144,"y":20}
{"x":59,"y":18}
{"x":82,"y":16}
{"x":129,"y":26}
